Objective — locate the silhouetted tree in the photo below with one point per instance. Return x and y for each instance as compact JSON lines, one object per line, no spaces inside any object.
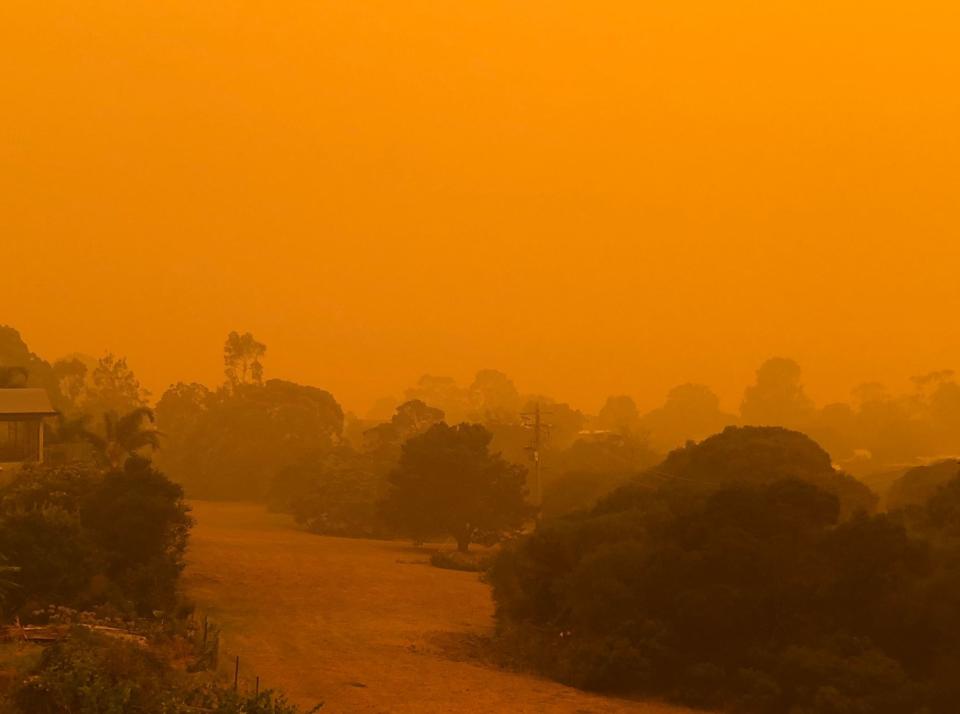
{"x":13,"y":377}
{"x":691,"y":412}
{"x":72,"y":374}
{"x":918,"y":484}
{"x":411,"y":418}
{"x":231,"y":443}
{"x":778,"y":398}
{"x":751,"y":454}
{"x":449,"y":483}
{"x":443,"y":393}
{"x":242,"y":356}
{"x":493,"y":397}
{"x":619,"y":414}
{"x":113,"y":387}
{"x":24,"y":368}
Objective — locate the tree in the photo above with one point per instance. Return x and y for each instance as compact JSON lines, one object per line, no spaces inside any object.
{"x":691,"y":412}
{"x":778,"y":398}
{"x":137,"y":518}
{"x":619,"y":414}
{"x":124,"y":436}
{"x":443,"y":393}
{"x":751,"y":598}
{"x":411,"y":418}
{"x":231,"y":443}
{"x":71,"y":374}
{"x":494,"y":397}
{"x":920,"y":483}
{"x":13,"y":377}
{"x":181,"y":407}
{"x":114,"y":387}
{"x":241,"y":359}
{"x":752,"y":454}
{"x":449,"y":483}
{"x":20,"y":367}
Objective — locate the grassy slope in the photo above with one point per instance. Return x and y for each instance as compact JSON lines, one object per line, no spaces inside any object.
{"x":366,"y":626}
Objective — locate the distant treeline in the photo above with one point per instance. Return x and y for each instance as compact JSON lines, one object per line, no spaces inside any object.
{"x":293,"y":445}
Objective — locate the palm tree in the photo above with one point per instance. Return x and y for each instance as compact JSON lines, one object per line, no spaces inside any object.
{"x":123,"y":436}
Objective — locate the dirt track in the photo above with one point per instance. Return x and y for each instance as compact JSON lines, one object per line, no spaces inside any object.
{"x":364,"y":626}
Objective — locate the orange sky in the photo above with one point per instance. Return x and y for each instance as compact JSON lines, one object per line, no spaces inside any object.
{"x":602,"y":197}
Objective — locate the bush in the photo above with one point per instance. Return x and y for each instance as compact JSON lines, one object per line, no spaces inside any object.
{"x":471,"y":562}
{"x":755,"y":597}
{"x":89,"y":673}
{"x":81,"y":537}
{"x":86,"y":674}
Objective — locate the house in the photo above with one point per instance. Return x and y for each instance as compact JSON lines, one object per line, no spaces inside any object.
{"x":22,"y":412}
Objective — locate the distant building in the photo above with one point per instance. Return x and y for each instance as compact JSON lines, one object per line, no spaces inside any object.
{"x":22,"y":412}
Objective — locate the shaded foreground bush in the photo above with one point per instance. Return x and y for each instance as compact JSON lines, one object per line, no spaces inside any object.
{"x":82,"y":537}
{"x":93,"y":674}
{"x":471,"y":562}
{"x":755,"y":597}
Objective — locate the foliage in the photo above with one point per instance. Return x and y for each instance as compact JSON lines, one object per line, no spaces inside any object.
{"x":124,"y":436}
{"x":85,"y":675}
{"x":334,"y":492}
{"x":619,"y":414}
{"x":411,"y":418}
{"x":242,"y":355}
{"x":232,"y":443}
{"x":755,"y":455}
{"x":138,"y":520}
{"x":493,"y":397}
{"x":455,"y":560}
{"x":918,"y":484}
{"x":113,"y":387}
{"x":778,"y":397}
{"x":578,"y":489}
{"x":449,"y":483}
{"x":690,"y":412}
{"x":89,"y":673}
{"x":82,"y":537}
{"x":19,"y":367}
{"x":753,"y":596}
{"x":6,"y":583}
{"x":13,"y":377}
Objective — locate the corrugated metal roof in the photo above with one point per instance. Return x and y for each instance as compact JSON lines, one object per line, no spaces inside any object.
{"x":25,"y":401}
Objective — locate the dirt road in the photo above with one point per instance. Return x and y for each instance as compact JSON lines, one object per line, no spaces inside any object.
{"x":362,"y":625}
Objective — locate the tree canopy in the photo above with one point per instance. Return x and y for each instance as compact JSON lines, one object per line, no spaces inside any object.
{"x":449,"y":483}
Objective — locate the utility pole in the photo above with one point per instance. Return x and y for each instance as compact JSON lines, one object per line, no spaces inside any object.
{"x":541,"y":432}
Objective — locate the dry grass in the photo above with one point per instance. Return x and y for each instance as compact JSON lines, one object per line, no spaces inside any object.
{"x":366,"y":626}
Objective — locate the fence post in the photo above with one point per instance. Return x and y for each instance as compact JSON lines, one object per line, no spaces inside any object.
{"x":236,"y":674}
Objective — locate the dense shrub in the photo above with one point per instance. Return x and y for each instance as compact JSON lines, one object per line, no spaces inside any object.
{"x":89,"y":673}
{"x":754,"y":455}
{"x":334,"y":492}
{"x":471,"y":562}
{"x":82,"y":537}
{"x":579,"y":489}
{"x":755,"y":596}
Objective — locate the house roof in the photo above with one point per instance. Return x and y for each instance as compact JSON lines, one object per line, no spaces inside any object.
{"x":25,"y":402}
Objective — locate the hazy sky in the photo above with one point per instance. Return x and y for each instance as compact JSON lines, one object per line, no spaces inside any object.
{"x":596,"y":197}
